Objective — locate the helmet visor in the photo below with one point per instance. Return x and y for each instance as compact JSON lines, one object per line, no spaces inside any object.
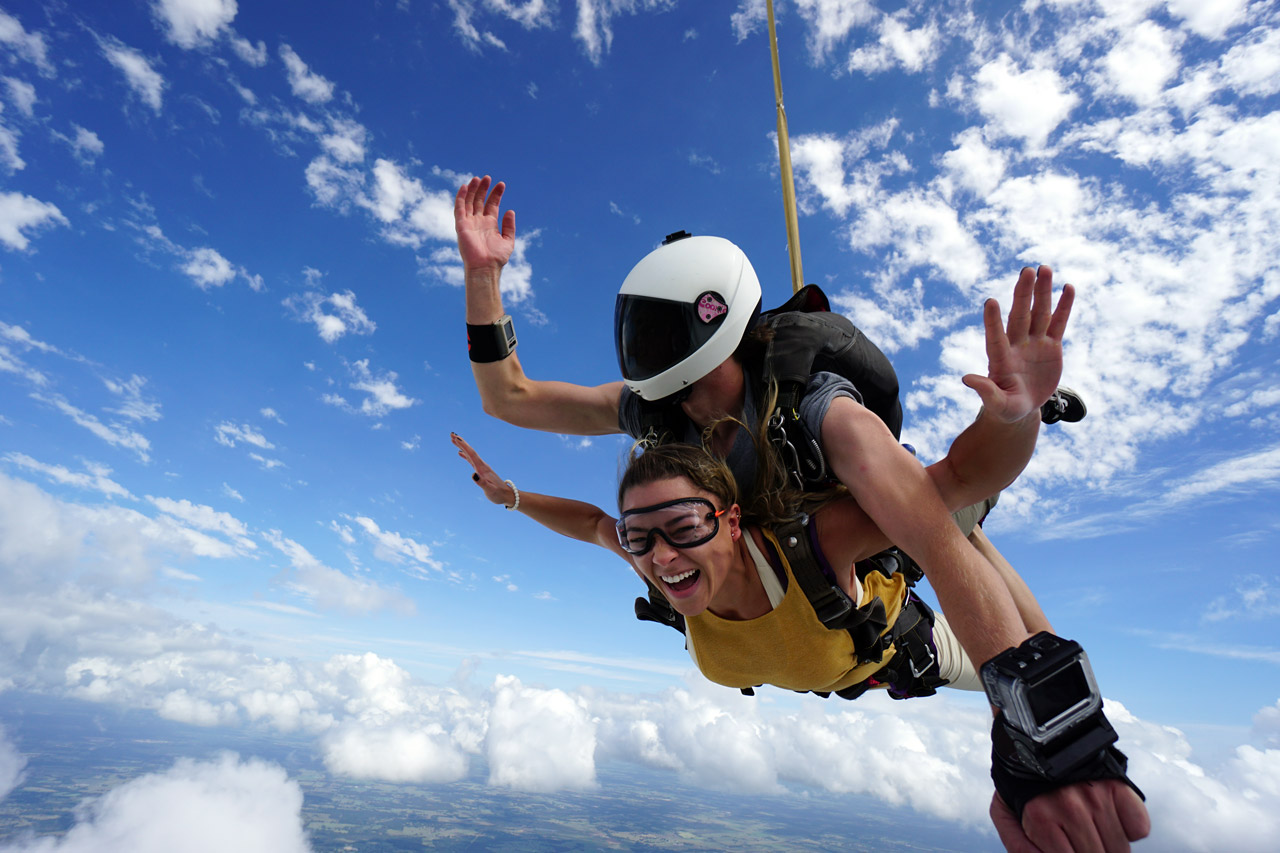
{"x":683,"y":523}
{"x":652,"y":335}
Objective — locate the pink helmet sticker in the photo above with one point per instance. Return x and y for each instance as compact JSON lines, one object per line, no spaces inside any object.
{"x":711,"y":306}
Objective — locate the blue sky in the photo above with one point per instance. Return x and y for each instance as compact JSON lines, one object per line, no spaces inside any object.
{"x":231,"y":352}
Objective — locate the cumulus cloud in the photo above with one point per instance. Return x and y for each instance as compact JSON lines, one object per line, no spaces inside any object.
{"x":142,"y":79}
{"x":529,"y":14}
{"x":382,"y":395}
{"x":539,"y":740}
{"x":21,"y":213}
{"x":205,"y":266}
{"x":305,"y":83}
{"x":194,"y":23}
{"x":334,"y":315}
{"x":1026,"y":104}
{"x":195,"y":806}
{"x":86,"y":146}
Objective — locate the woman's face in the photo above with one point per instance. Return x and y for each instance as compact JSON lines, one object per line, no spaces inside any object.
{"x":689,"y":577}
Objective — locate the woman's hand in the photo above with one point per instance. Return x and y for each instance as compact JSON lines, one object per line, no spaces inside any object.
{"x":493,"y":486}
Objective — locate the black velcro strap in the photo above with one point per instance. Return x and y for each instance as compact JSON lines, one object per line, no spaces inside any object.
{"x":486,"y":342}
{"x":656,"y":608}
{"x":1018,"y":783}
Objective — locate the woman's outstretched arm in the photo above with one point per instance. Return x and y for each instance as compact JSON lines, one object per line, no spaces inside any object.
{"x":575,"y":519}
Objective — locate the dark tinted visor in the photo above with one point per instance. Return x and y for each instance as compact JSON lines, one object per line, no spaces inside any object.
{"x":651,"y":335}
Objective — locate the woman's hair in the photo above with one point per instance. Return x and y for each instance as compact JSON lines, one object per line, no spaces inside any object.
{"x":708,"y":473}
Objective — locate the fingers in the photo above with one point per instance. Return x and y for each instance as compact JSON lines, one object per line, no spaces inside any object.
{"x":509,"y":226}
{"x":1008,"y":828}
{"x":492,"y":205}
{"x":1133,"y":813}
{"x":1058,"y":325}
{"x":997,"y":341}
{"x":1020,"y":310}
{"x":1042,"y":301}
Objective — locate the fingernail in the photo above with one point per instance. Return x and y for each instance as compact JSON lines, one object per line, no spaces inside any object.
{"x":475,"y":477}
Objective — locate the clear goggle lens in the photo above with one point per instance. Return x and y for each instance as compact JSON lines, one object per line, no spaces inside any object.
{"x":682,"y":523}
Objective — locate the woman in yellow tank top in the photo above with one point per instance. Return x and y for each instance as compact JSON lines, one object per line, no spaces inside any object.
{"x":747,"y":622}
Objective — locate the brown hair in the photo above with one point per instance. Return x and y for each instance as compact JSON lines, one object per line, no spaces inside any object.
{"x":708,"y":473}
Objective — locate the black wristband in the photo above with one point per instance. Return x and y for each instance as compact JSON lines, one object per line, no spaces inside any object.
{"x":490,"y":342}
{"x":1018,"y":783}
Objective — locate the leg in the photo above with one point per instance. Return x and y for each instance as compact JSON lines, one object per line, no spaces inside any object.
{"x":1032,"y":616}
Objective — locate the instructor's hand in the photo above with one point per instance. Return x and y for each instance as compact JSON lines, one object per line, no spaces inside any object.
{"x":485,"y":239}
{"x":1087,"y":817}
{"x":1024,"y":360}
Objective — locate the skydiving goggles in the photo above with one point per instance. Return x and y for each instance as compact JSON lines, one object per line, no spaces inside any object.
{"x":682,"y":523}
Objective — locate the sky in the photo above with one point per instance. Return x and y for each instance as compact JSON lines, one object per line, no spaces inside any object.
{"x":231,"y":353}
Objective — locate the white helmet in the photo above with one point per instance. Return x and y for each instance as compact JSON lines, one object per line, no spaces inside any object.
{"x":681,"y":313}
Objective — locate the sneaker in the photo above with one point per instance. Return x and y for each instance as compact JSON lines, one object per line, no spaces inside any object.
{"x":1065,"y":405}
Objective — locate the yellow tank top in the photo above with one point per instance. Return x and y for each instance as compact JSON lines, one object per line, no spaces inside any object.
{"x":788,"y":647}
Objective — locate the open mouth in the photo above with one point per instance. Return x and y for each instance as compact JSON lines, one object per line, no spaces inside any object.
{"x":682,"y":581}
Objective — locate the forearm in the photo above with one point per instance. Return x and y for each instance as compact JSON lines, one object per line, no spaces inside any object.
{"x":1033,"y":618}
{"x":574,"y":519}
{"x":985,"y":458}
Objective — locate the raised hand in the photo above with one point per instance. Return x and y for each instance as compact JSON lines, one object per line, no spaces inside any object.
{"x":1024,"y":360}
{"x":493,"y":486}
{"x":485,"y":239}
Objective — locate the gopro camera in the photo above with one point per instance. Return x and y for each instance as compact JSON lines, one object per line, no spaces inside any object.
{"x":1044,"y":686}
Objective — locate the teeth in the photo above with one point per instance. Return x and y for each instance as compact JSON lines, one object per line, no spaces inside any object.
{"x":679,"y":577}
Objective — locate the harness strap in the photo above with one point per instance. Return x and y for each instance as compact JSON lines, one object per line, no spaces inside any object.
{"x":832,"y":605}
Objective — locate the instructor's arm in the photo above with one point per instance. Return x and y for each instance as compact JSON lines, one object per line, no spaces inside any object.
{"x":485,"y":241}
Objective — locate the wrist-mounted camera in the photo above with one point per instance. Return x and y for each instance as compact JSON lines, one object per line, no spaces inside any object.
{"x":1051,"y":730}
{"x":1050,"y":704}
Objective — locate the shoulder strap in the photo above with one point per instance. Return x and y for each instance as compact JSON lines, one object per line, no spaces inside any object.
{"x":830,"y":603}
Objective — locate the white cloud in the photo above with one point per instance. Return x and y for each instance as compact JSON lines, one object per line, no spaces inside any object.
{"x":594,"y":28}
{"x":232,"y":493}
{"x":398,"y":752}
{"x":9,"y":155}
{"x":307,"y":85}
{"x":133,"y":405}
{"x":86,"y":146}
{"x":346,"y":143}
{"x":208,"y":268}
{"x":394,"y":547}
{"x":1211,"y":20}
{"x":114,"y":434}
{"x":194,"y":23}
{"x":207,"y":518}
{"x":144,"y":80}
{"x":539,"y":740}
{"x":21,"y":94}
{"x":383,"y":395}
{"x":250,"y":54}
{"x":12,"y":763}
{"x":343,"y":315}
{"x":333,"y":590}
{"x":29,"y":46}
{"x":228,"y":435}
{"x":1028,"y":104}
{"x":1252,"y":66}
{"x":1142,"y":63}
{"x":20,"y":213}
{"x":197,"y":807}
{"x":95,"y":477}
{"x":897,"y":45}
